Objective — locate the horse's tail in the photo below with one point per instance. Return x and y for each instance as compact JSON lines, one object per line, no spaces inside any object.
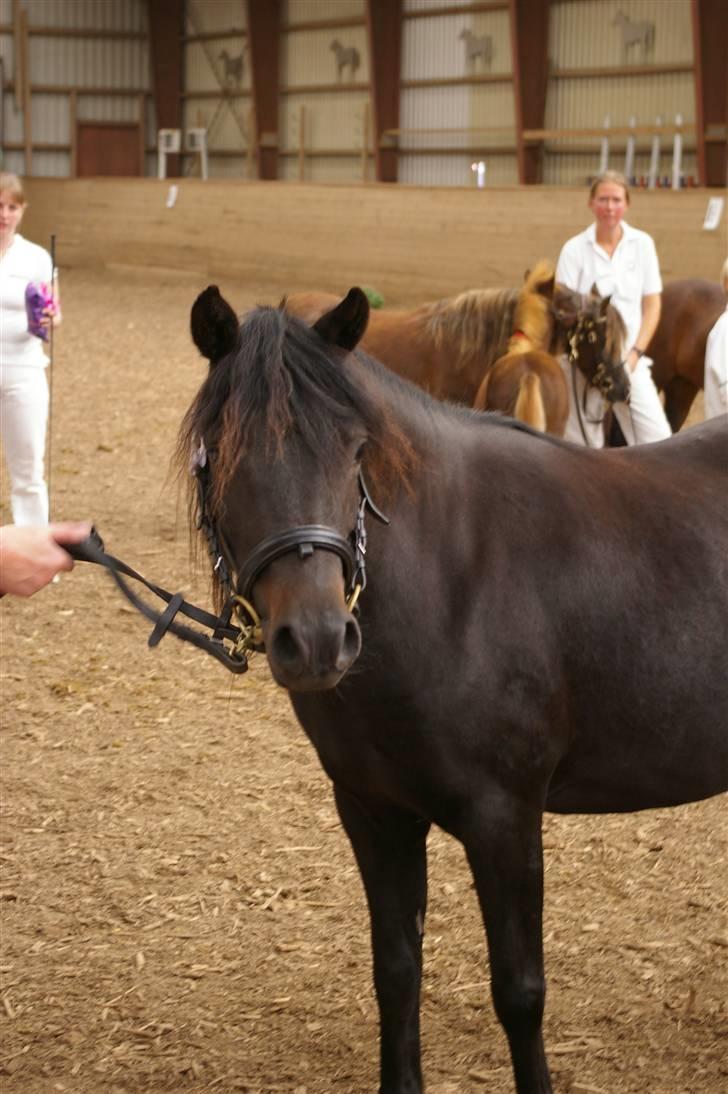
{"x":529,"y":406}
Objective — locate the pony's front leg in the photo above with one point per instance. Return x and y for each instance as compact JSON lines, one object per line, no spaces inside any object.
{"x":503,"y":845}
{"x":390,"y":850}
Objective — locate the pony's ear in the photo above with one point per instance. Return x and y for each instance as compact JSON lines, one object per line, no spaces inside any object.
{"x":546,"y":288}
{"x":345,"y":324}
{"x":214,"y":325}
{"x":565,"y":305}
{"x":606,"y":300}
{"x":594,"y":291}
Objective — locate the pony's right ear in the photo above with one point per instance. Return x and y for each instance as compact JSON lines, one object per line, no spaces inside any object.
{"x":345,"y":324}
{"x":214,"y":325}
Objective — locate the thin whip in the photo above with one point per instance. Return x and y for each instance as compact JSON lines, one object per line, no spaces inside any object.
{"x":49,"y":440}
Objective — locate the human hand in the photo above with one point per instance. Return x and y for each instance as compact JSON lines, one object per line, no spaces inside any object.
{"x":30,"y":557}
{"x":632,"y":358}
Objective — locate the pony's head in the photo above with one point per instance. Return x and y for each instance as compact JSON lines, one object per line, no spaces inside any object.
{"x":595,"y":344}
{"x":286,"y":428}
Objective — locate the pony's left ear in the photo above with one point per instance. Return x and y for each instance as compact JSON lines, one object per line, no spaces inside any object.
{"x":606,"y":300}
{"x":213,"y":324}
{"x":546,"y":288}
{"x":345,"y":324}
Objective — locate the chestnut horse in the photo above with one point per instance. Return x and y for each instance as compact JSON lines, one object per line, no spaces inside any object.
{"x":473,"y":681}
{"x":448,"y":347}
{"x":689,"y":309}
{"x":527,"y":382}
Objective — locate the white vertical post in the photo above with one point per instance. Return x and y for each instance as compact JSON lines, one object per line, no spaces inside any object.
{"x":655,"y":157}
{"x":604,"y":153}
{"x":677,"y":154}
{"x":629,"y":152}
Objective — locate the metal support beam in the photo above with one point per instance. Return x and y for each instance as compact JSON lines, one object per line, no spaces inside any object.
{"x":384,"y":32}
{"x":710,"y":33}
{"x":264,"y":34}
{"x":166,"y":29}
{"x":529,"y":50}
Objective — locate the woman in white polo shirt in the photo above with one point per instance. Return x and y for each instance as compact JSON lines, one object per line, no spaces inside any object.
{"x":622,"y":262}
{"x":716,"y":361}
{"x":23,"y":386}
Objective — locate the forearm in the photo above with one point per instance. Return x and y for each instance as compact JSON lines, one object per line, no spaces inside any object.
{"x":651,"y":308}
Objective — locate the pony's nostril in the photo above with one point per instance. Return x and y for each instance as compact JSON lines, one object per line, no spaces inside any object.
{"x":285,"y":647}
{"x":350,"y":646}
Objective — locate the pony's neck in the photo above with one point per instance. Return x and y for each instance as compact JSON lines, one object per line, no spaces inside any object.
{"x":531,"y":324}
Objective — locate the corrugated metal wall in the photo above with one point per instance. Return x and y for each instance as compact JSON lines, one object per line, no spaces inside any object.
{"x":66,"y":62}
{"x":476,"y":121}
{"x":588,"y":35}
{"x":324,"y":124}
{"x":208,"y":72}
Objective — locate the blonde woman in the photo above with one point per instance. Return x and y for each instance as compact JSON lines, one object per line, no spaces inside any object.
{"x":622,"y":262}
{"x":23,"y":385}
{"x":716,"y":361}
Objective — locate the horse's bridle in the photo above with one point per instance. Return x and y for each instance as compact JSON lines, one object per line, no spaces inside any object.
{"x":304,"y":539}
{"x":233,"y":643}
{"x":584,"y":331}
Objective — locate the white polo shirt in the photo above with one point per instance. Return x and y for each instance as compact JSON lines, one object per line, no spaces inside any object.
{"x":632,"y":272}
{"x":22,"y":262}
{"x":716,"y":368}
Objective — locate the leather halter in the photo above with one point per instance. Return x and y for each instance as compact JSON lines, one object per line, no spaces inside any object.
{"x":245,"y":637}
{"x":304,"y":539}
{"x":601,"y":380}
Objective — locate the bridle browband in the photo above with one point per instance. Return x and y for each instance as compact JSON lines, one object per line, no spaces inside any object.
{"x":233,"y":643}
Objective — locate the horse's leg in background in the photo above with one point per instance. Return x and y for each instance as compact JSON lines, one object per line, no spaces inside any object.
{"x":529,"y":406}
{"x":481,"y":396}
{"x":503,"y":843}
{"x":390,"y":850}
{"x":679,"y":397}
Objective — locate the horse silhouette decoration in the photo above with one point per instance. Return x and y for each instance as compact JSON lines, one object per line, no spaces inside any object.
{"x":477,"y":682}
{"x":232,"y":67}
{"x":477,"y":48}
{"x":346,"y":57}
{"x":633,"y":34}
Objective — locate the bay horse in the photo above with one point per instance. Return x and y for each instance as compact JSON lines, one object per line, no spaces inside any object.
{"x":448,"y":347}
{"x":453,"y":662}
{"x":690,"y":308}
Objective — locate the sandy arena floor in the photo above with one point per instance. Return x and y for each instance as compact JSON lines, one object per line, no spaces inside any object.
{"x":180,"y":908}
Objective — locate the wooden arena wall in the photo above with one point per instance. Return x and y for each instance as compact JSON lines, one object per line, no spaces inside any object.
{"x":410,"y":243}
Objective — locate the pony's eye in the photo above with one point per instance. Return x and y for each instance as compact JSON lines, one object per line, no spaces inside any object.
{"x":360,"y":452}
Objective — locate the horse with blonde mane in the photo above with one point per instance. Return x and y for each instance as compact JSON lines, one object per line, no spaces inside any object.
{"x":528,"y":383}
{"x":450,"y":346}
{"x":447,"y":346}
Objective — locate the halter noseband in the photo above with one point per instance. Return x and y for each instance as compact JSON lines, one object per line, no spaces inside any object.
{"x":304,"y":539}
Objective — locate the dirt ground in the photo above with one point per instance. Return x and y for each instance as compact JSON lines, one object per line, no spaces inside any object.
{"x":180,"y":908}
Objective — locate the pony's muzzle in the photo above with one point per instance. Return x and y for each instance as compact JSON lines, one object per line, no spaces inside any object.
{"x":312,"y":653}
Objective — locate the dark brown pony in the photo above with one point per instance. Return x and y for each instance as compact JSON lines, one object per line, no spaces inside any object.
{"x":478,"y":681}
{"x":689,"y":310}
